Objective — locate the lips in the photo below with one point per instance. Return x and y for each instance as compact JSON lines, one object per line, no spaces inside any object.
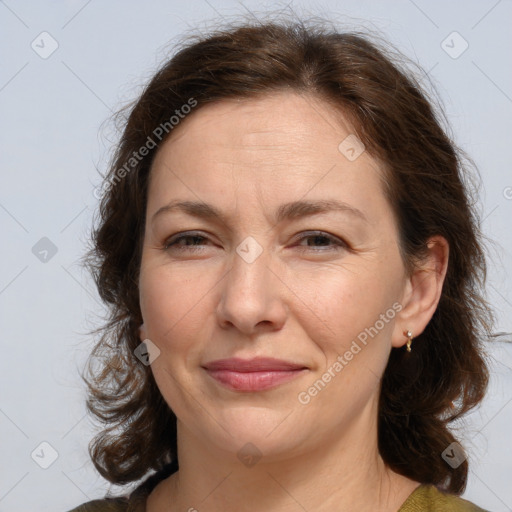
{"x":251,"y":375}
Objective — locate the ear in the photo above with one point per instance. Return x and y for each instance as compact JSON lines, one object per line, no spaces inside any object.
{"x":422,"y":292}
{"x":142,"y":332}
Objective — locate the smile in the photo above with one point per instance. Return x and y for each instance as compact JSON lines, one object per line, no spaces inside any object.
{"x":253,"y":375}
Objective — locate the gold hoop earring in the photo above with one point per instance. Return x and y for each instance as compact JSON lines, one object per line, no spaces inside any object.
{"x":409,"y":340}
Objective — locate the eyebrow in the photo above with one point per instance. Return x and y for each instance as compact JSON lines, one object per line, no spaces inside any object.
{"x":287,"y":211}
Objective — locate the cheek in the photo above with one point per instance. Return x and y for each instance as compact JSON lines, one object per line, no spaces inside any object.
{"x":355,"y":354}
{"x":346,"y":302}
{"x":163,"y":300}
{"x":174,"y":302}
{"x":355,"y":350}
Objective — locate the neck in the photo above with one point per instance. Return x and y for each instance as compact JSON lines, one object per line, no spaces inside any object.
{"x":340,"y":473}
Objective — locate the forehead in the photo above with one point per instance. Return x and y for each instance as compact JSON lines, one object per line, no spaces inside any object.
{"x":278,"y":121}
{"x":281,"y":144}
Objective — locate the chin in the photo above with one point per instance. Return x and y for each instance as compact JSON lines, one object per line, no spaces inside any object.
{"x":252,"y":431}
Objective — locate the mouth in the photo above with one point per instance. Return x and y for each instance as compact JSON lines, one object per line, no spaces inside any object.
{"x":250,"y":375}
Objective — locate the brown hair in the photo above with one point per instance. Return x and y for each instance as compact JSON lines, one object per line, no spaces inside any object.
{"x":427,"y":186}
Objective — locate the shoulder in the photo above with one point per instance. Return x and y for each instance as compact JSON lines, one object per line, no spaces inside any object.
{"x":428,"y":498}
{"x":103,"y":505}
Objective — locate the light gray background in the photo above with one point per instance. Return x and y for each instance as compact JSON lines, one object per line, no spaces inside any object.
{"x":52,"y":142}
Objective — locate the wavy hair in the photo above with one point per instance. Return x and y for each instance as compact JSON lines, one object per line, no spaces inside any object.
{"x":428,"y":184}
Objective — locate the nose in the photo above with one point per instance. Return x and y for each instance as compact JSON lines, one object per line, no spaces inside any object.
{"x":252,"y":297}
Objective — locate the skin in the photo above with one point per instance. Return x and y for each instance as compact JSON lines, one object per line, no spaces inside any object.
{"x":300,"y":300}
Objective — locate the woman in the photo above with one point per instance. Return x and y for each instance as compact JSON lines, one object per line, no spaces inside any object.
{"x":294,"y":271}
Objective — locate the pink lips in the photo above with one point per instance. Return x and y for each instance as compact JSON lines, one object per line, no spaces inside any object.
{"x":253,"y":374}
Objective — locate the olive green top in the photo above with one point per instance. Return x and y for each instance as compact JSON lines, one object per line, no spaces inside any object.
{"x":425,"y":498}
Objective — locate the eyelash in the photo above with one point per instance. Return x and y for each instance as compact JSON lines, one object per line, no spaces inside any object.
{"x":338,"y":244}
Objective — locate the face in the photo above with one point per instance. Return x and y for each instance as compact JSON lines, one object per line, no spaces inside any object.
{"x":272,"y":329}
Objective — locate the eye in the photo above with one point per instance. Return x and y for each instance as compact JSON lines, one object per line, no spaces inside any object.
{"x":196,"y":245}
{"x":197,"y":242}
{"x":321,"y":239}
